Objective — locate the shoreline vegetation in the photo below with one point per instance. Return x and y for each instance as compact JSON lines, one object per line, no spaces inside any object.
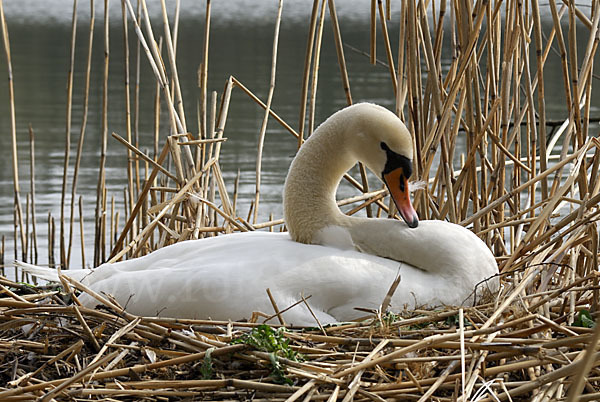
{"x":526,"y":185}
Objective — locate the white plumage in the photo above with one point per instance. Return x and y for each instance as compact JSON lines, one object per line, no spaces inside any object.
{"x":353,"y":264}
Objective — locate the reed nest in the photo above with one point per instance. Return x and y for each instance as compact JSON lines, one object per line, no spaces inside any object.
{"x":517,"y":345}
{"x":526,"y":185}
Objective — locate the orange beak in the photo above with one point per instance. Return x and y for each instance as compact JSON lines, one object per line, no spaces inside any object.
{"x":397,"y":185}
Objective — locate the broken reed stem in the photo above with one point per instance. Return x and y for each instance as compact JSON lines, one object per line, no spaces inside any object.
{"x":275,"y":308}
{"x":32,"y":190}
{"x":27,"y":203}
{"x":81,"y":235}
{"x":263,"y":128}
{"x":2,"y":250}
{"x":50,"y":241}
{"x":138,"y":206}
{"x":141,"y":238}
{"x":143,"y":156}
{"x":238,"y":84}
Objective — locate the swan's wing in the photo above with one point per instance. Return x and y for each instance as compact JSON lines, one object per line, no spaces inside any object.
{"x":50,"y":274}
{"x":336,"y":237}
{"x":438,"y":247}
{"x":226,"y":277}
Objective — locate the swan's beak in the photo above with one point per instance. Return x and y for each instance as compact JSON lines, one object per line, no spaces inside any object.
{"x":397,"y":185}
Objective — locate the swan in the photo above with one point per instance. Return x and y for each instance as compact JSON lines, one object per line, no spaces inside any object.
{"x":342,"y":262}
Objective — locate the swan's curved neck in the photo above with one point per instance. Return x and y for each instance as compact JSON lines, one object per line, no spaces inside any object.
{"x":362,"y":132}
{"x":315,"y":173}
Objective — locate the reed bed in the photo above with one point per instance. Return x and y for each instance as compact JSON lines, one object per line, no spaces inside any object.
{"x":516,"y":346}
{"x":527,"y":185}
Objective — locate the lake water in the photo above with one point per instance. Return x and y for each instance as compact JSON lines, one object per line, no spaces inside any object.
{"x":241,"y":45}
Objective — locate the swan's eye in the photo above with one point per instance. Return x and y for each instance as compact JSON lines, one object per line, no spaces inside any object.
{"x":395,"y":160}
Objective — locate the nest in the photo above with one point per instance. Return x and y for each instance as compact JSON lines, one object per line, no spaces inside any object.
{"x":521,"y":344}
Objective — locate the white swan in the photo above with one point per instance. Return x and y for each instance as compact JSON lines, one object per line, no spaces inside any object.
{"x":342,"y":262}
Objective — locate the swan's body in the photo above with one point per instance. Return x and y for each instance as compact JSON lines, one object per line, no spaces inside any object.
{"x":347,"y":262}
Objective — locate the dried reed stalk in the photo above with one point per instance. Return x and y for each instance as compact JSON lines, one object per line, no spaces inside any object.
{"x":82,"y":131}
{"x":130,"y":161}
{"x":13,"y":130}
{"x":340,"y":50}
{"x":171,"y":52}
{"x":263,"y":127}
{"x":34,"y":258}
{"x":63,"y":246}
{"x":306,"y":74}
{"x":99,"y":243}
{"x":333,"y":364}
{"x":315,"y":70}
{"x":203,"y":80}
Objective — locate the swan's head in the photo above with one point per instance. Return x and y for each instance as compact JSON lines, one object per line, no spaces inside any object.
{"x":386,"y":147}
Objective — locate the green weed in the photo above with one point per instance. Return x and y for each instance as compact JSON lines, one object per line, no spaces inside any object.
{"x":584,"y":319}
{"x":272,"y":341}
{"x":206,"y":369}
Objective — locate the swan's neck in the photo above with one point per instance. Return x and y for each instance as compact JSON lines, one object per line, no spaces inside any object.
{"x":310,"y":188}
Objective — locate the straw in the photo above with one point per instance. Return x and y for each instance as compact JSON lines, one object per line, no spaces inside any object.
{"x":13,"y":131}
{"x":82,"y":131}
{"x":327,"y":358}
{"x":263,"y":127}
{"x":100,"y":188}
{"x":305,"y":76}
{"x":63,"y":246}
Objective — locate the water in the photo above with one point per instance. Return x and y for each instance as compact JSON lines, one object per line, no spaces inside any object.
{"x":241,"y":45}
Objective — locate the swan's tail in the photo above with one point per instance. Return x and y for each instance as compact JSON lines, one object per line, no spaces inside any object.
{"x":49,"y":274}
